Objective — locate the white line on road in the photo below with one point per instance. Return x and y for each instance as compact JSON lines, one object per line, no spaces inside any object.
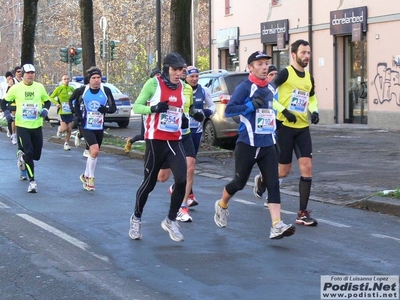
{"x":382,"y":236}
{"x":63,"y":235}
{"x":332,"y":223}
{"x":2,"y":205}
{"x":244,"y":201}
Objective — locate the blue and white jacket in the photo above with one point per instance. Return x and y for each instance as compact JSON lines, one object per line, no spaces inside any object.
{"x":240,"y":105}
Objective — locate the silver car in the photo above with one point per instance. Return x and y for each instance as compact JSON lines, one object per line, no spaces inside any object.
{"x":122,"y":101}
{"x":221,"y":83}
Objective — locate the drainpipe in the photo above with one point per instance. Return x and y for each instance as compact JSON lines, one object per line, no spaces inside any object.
{"x":310,"y":33}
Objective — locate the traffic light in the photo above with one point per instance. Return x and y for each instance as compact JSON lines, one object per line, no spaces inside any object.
{"x":101,"y":49}
{"x":113,"y":49}
{"x":64,"y":55}
{"x":72,"y":55}
{"x":78,"y":56}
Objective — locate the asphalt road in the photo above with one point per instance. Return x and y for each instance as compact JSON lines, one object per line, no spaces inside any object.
{"x":67,"y":243}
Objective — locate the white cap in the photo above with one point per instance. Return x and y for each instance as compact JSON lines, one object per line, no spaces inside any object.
{"x":28,"y":68}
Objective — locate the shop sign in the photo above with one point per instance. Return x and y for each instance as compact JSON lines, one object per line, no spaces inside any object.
{"x":341,"y":21}
{"x":226,"y":34}
{"x":270,"y":31}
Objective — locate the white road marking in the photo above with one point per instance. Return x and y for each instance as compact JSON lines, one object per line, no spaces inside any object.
{"x":244,"y":201}
{"x":288,"y":212}
{"x":63,"y":235}
{"x":293,"y":213}
{"x":2,"y":205}
{"x":382,"y":236}
{"x":332,"y":223}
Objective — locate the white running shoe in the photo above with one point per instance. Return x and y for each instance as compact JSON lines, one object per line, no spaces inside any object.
{"x":67,"y":147}
{"x":20,"y":160}
{"x":77,"y":140}
{"x":58,"y":131}
{"x":14,"y":139}
{"x":281,"y":230}
{"x":172,"y":227}
{"x":32,"y":188}
{"x":86,"y":153}
{"x":8,"y":133}
{"x":183,"y":215}
{"x":220,"y":217}
{"x":135,"y":230}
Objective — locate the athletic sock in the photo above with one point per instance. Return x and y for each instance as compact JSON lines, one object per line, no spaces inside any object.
{"x":304,"y":191}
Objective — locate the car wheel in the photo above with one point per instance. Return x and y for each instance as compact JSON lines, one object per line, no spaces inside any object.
{"x":123,"y":124}
{"x":209,"y":135}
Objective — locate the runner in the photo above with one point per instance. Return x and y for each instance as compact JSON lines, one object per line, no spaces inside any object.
{"x":252,"y":101}
{"x":63,"y":92}
{"x":162,"y":101}
{"x":32,"y":104}
{"x":92,"y":102}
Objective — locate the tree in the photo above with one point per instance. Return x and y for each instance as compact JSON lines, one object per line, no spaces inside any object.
{"x":180,"y":28}
{"x":28,"y":31}
{"x":87,"y":34}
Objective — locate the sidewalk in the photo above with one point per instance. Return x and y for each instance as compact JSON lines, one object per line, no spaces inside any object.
{"x":351,"y":163}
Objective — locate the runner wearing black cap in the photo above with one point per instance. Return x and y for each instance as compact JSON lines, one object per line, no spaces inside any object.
{"x":252,"y":101}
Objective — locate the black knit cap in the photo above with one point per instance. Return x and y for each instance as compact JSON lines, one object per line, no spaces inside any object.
{"x":154,"y":72}
{"x":174,"y":60}
{"x":271,"y":68}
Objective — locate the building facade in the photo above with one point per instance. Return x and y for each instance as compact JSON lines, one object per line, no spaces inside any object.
{"x":355,"y":48}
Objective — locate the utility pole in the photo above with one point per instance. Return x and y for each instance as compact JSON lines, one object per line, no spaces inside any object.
{"x":103,"y":26}
{"x":158,"y":33}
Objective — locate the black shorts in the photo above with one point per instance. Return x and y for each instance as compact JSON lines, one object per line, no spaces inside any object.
{"x":67,"y":118}
{"x":93,"y":137}
{"x":294,"y":139}
{"x":188,"y":146}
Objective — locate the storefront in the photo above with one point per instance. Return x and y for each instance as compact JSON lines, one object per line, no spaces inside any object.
{"x":227,"y":44}
{"x":349,"y":30}
{"x":275,"y":40}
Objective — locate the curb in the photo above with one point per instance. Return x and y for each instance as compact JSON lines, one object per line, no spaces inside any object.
{"x":137,"y":154}
{"x":384,"y":205}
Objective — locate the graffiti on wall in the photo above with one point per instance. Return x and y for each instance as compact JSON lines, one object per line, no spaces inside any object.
{"x":387,"y":84}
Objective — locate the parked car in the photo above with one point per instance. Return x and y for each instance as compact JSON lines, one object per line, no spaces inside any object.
{"x":221,"y":83}
{"x":122,"y":101}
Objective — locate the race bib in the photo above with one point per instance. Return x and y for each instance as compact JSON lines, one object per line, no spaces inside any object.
{"x":30,"y":112}
{"x":299,"y":101}
{"x":170,"y":120}
{"x":265,"y":121}
{"x":94,"y":120}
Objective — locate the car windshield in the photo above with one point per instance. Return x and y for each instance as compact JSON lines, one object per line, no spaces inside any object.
{"x":113,"y":88}
{"x":232,"y":81}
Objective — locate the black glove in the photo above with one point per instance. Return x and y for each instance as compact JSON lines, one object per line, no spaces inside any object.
{"x":257,"y":102}
{"x":159,"y":107}
{"x":207,"y":112}
{"x":288,"y":115}
{"x":314,"y":118}
{"x":8,"y":115}
{"x":102,"y":109}
{"x":198,"y":116}
{"x":185,"y":122}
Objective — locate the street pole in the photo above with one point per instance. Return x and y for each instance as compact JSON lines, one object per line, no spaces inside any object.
{"x":70,"y":45}
{"x":103,"y":26}
{"x":158,"y":33}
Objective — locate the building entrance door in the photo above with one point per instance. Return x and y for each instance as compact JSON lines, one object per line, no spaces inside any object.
{"x":355,"y":96}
